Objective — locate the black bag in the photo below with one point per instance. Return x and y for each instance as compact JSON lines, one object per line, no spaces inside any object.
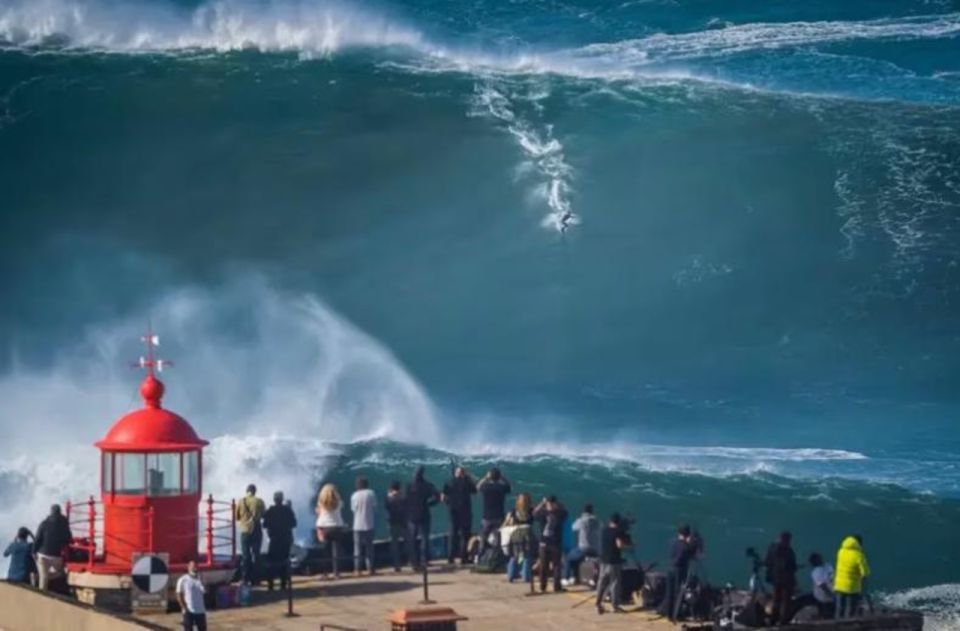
{"x":492,"y":560}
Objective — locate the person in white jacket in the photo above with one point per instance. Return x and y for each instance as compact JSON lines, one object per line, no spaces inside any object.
{"x":363,"y":503}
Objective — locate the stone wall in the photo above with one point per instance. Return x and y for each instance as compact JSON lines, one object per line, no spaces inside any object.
{"x":26,"y":609}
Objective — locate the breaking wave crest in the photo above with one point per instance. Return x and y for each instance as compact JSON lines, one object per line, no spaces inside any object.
{"x":324,"y":27}
{"x":221,"y":25}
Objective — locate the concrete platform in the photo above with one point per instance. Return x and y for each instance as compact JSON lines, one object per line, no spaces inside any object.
{"x":365,"y":603}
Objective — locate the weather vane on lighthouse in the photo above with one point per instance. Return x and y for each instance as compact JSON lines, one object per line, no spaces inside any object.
{"x":149,"y":362}
{"x":152,"y":388}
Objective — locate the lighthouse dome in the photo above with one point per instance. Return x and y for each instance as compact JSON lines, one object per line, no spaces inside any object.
{"x":151,"y":428}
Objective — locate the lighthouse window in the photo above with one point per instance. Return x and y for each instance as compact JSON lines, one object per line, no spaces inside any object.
{"x":130,"y":474}
{"x":191,"y":472}
{"x":163,"y":474}
{"x":107,"y":472}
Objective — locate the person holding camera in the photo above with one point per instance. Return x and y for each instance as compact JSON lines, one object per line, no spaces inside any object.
{"x":587,"y":529}
{"x":683,"y":552}
{"x":613,"y":541}
{"x":552,"y":515}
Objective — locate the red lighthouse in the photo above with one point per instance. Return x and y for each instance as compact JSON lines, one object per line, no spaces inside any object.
{"x":151,"y":476}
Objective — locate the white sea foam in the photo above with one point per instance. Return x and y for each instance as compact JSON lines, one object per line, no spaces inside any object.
{"x":940,"y":605}
{"x":543,"y":152}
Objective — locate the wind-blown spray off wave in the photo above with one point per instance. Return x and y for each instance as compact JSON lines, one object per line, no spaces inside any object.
{"x":222,"y":25}
{"x":272,"y":399}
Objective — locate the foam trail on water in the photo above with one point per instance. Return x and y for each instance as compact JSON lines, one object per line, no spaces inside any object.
{"x":273,"y":397}
{"x":543,"y":153}
{"x":940,"y":604}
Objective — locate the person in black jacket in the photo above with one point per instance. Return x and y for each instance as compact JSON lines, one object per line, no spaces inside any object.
{"x":397,"y":521}
{"x":552,"y":515}
{"x":457,"y":494}
{"x":781,"y":565}
{"x":421,"y":496}
{"x":494,"y":488}
{"x":683,"y":551}
{"x":279,"y":522}
{"x":52,"y":538}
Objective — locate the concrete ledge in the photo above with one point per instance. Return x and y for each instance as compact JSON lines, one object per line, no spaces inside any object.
{"x":27,"y":609}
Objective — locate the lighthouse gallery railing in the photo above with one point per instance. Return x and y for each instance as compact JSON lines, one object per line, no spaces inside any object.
{"x":215,"y":519}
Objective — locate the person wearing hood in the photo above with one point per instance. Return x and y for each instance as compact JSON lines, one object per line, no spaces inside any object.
{"x":421,"y":496}
{"x":20,"y":552}
{"x":52,"y":538}
{"x":458,"y":494}
{"x":851,"y":570}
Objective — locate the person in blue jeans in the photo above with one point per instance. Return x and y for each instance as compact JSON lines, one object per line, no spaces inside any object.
{"x":587,"y":529}
{"x":422,"y":495}
{"x":523,"y":543}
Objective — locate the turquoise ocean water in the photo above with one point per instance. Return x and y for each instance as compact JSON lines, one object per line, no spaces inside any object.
{"x":695,"y":261}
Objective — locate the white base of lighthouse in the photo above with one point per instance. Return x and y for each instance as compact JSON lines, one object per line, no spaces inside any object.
{"x":112,"y":591}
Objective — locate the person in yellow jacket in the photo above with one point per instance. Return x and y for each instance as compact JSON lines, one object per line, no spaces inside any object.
{"x":850,"y":571}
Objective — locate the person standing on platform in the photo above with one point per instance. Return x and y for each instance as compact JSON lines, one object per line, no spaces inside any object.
{"x":494,"y":488}
{"x":683,"y":551}
{"x":330,"y":523}
{"x":421,"y":496}
{"x":458,"y":493}
{"x":20,"y":553}
{"x":363,"y":503}
{"x":279,"y":521}
{"x":850,"y":573}
{"x":552,"y":515}
{"x":587,"y":529}
{"x":52,"y":538}
{"x":250,"y":511}
{"x":190,"y":593}
{"x":781,"y":565}
{"x":397,"y":521}
{"x":613,"y":542}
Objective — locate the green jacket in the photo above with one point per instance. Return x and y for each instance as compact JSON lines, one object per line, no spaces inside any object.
{"x":249,"y":513}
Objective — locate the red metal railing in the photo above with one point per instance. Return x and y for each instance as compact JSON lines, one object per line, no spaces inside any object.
{"x":215,"y":521}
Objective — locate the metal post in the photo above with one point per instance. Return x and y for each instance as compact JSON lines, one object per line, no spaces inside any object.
{"x":289,"y":571}
{"x":69,"y":509}
{"x":210,"y":530}
{"x":233,"y":530}
{"x":150,"y":528}
{"x":91,"y":531}
{"x":426,"y":585}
